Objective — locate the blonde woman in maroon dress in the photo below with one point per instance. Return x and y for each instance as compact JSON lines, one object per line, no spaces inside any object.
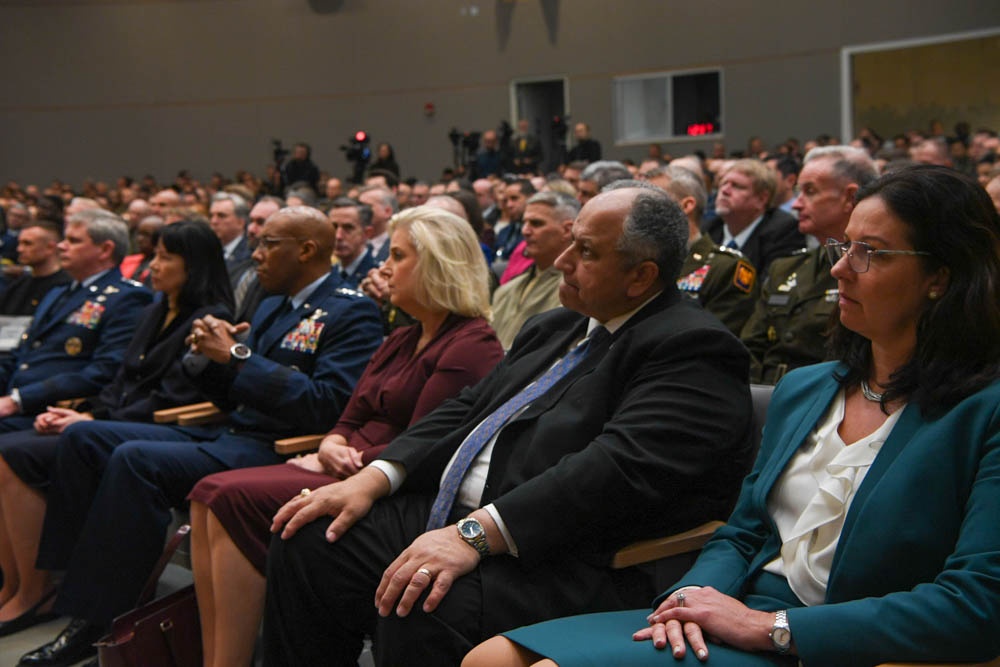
{"x":435,"y":272}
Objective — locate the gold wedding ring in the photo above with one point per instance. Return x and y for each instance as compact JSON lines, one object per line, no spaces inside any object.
{"x":304,"y":492}
{"x":424,"y":570}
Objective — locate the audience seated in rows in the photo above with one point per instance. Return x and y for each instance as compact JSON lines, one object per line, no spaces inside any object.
{"x":836,"y":555}
{"x":115,"y":482}
{"x":648,"y":405}
{"x":190,"y":278}
{"x":78,"y":337}
{"x":434,"y":274}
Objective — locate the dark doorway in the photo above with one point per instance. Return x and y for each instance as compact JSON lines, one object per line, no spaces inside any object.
{"x":542,"y":103}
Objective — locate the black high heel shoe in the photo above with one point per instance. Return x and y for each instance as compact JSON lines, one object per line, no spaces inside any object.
{"x":30,"y":618}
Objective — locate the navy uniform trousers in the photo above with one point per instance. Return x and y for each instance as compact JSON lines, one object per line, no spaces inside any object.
{"x":107,"y":550}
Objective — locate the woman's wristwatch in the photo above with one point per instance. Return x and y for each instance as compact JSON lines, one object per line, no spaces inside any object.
{"x":781,"y":633}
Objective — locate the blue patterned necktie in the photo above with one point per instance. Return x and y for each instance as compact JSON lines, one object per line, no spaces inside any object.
{"x":732,"y":244}
{"x":489,"y":427}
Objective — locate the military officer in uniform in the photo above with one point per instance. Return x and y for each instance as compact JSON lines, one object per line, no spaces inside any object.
{"x":78,"y":337}
{"x":721,"y":279}
{"x":790,"y":321}
{"x":115,"y":482}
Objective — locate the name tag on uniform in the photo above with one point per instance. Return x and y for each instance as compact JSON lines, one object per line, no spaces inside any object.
{"x":88,"y":315}
{"x":304,"y":337}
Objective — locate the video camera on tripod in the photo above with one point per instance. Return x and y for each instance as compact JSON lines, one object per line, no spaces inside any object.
{"x":358,"y":152}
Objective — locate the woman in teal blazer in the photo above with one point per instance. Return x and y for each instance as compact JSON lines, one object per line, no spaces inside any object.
{"x":914,"y":571}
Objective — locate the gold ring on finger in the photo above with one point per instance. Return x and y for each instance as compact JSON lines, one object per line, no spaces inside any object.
{"x":304,"y":492}
{"x":424,"y":570}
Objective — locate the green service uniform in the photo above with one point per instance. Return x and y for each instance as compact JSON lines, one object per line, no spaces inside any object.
{"x":722,"y":280}
{"x":792,"y":318}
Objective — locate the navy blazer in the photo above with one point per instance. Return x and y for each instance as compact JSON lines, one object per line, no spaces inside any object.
{"x":303,"y":369}
{"x":75,"y":344}
{"x":916,"y":573}
{"x":637,"y":427}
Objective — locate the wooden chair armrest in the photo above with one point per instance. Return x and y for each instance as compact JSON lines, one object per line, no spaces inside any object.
{"x":298,"y":444}
{"x":992,"y":663}
{"x":664,"y":547}
{"x":170,"y":415}
{"x":209,"y":415}
{"x":71,"y":403}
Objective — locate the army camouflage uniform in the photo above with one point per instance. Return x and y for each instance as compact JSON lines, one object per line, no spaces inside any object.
{"x":792,"y":318}
{"x":722,"y":280}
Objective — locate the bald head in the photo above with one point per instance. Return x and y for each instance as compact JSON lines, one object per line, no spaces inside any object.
{"x":293,"y":249}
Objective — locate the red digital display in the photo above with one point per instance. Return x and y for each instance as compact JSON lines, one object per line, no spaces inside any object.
{"x":698,"y":129}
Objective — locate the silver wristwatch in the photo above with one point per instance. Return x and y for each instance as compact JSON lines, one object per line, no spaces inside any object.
{"x":472,"y":532}
{"x":239,"y":353}
{"x":781,"y":633}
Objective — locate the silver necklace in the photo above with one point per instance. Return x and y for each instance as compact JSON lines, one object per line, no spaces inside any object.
{"x":870,"y":395}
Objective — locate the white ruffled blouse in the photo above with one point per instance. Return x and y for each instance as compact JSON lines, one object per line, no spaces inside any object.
{"x":821,"y":477}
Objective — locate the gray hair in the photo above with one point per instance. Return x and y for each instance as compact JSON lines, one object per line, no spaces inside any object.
{"x":604,"y":172}
{"x":274,"y":200}
{"x":307,"y":196}
{"x":240,"y":207}
{"x":562,"y":205}
{"x":683,"y":183}
{"x":384,"y":195}
{"x":364,"y":210}
{"x":850,"y":164}
{"x":655,"y":229}
{"x":103,"y":226}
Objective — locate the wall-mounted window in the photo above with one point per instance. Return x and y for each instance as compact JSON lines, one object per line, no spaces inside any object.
{"x":668,"y":105}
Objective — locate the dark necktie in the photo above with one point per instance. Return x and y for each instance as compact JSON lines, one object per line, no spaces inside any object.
{"x":489,"y":427}
{"x":732,"y":244}
{"x":63,"y":298}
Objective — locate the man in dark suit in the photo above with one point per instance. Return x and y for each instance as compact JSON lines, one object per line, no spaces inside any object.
{"x":623,"y":416}
{"x":228,"y":215}
{"x":115,"y":482}
{"x":384,"y":205}
{"x":78,"y":337}
{"x":746,"y":223}
{"x":525,"y":150}
{"x":351,"y":221}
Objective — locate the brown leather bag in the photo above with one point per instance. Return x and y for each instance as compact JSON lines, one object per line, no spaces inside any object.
{"x":163,"y":633}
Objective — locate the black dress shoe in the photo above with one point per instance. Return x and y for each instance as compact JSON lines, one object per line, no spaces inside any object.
{"x":29,"y":618}
{"x":72,"y":645}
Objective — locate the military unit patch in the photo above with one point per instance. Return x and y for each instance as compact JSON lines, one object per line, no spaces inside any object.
{"x":304,"y":338}
{"x":88,"y":315}
{"x":744,"y":276}
{"x":693,"y":281}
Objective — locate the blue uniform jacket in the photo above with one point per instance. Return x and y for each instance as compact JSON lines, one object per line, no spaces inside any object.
{"x":304,"y":365}
{"x":916,"y":574}
{"x":74,"y":346}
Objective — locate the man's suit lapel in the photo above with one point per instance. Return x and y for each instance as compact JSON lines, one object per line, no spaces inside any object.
{"x":595,"y":356}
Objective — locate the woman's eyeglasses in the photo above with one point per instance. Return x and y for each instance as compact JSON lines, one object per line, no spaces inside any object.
{"x":859,"y":254}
